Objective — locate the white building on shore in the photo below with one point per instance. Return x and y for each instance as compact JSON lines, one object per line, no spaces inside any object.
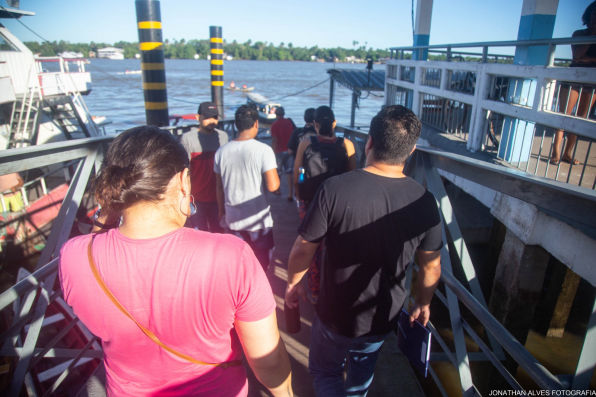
{"x":111,"y":53}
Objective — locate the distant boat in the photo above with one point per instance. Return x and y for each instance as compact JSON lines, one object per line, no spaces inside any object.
{"x":265,"y":106}
{"x":241,"y":89}
{"x":132,"y":72}
{"x":176,"y":118}
{"x":71,"y":55}
{"x":111,"y":53}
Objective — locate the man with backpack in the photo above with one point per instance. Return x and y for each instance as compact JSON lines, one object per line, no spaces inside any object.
{"x":318,"y":158}
{"x":299,"y":134}
{"x":322,"y":156}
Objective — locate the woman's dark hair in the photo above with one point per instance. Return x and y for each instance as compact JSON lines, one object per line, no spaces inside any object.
{"x":324,"y":117}
{"x":309,"y":115}
{"x":588,"y":13}
{"x":138,"y":166}
{"x":394,"y":132}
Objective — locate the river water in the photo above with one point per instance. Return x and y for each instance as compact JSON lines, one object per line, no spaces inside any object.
{"x":119,"y":96}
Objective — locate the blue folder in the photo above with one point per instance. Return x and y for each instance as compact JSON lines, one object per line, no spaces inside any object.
{"x":414,"y":342}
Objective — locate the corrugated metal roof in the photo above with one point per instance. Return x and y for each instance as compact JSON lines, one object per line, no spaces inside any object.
{"x":358,"y":80}
{"x":6,"y":12}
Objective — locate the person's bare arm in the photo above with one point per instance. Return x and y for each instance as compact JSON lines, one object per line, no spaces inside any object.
{"x":429,"y":273}
{"x":298,"y":161}
{"x":266,"y":354}
{"x":300,"y":259}
{"x":351,"y":154}
{"x":271,"y":179}
{"x":579,"y":51}
{"x":219,"y":196}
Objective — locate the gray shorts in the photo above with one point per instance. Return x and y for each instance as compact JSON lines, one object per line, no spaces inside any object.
{"x":285,"y":162}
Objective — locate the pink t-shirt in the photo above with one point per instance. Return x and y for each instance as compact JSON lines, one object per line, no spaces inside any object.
{"x":188,"y":287}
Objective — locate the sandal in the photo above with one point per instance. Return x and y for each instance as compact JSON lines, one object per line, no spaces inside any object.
{"x":554,"y":161}
{"x":573,"y":162}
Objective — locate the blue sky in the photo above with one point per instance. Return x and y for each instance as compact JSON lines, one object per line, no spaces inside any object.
{"x":326,"y":23}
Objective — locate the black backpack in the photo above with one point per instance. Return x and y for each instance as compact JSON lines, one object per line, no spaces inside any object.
{"x":321,"y":161}
{"x":297,"y":135}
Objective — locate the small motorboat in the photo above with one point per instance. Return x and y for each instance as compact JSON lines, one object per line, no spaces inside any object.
{"x":240,"y":89}
{"x":178,"y":117}
{"x":243,"y":88}
{"x":265,"y":106}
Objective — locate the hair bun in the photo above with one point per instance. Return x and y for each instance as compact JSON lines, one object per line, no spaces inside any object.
{"x":120,"y":176}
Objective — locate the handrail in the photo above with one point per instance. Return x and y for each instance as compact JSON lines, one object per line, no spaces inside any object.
{"x":551,"y":43}
{"x":507,"y":43}
{"x":537,"y":371}
{"x":539,"y":374}
{"x":31,"y":297}
{"x":483,"y":103}
{"x":21,"y":159}
{"x":27,"y":284}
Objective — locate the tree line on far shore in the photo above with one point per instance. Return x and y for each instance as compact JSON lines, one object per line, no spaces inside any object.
{"x":182,"y":49}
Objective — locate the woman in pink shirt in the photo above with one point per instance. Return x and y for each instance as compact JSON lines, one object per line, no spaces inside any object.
{"x":203,"y":296}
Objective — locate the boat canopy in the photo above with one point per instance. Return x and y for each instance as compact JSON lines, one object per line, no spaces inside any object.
{"x":13,"y":13}
{"x":359,"y":80}
{"x":261,"y":99}
{"x":356,"y":81}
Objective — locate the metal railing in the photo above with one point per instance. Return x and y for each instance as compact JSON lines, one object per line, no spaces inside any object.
{"x":552,"y":197}
{"x":37,"y":321}
{"x":513,"y":112}
{"x":28,"y":302}
{"x":483,"y":55}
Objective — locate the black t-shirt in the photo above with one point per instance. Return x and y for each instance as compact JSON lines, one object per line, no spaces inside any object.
{"x":372,"y":227}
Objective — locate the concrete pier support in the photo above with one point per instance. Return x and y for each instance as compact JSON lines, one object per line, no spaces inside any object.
{"x":424,"y":10}
{"x":560,"y":288}
{"x":517,"y":286}
{"x":562,"y":309}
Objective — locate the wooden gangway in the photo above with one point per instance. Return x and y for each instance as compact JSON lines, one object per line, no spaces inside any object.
{"x":37,"y":291}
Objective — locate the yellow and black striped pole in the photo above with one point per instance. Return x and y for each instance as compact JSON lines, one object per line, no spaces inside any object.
{"x":217,"y":73}
{"x":152,"y":62}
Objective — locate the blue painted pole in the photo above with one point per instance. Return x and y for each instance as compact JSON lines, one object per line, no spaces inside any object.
{"x":537,"y":22}
{"x":424,"y":9}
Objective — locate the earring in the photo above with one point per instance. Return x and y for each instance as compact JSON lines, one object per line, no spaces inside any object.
{"x":101,"y":225}
{"x":192,"y":206}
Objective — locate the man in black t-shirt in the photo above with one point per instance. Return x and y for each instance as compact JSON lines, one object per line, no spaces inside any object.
{"x":374,"y":221}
